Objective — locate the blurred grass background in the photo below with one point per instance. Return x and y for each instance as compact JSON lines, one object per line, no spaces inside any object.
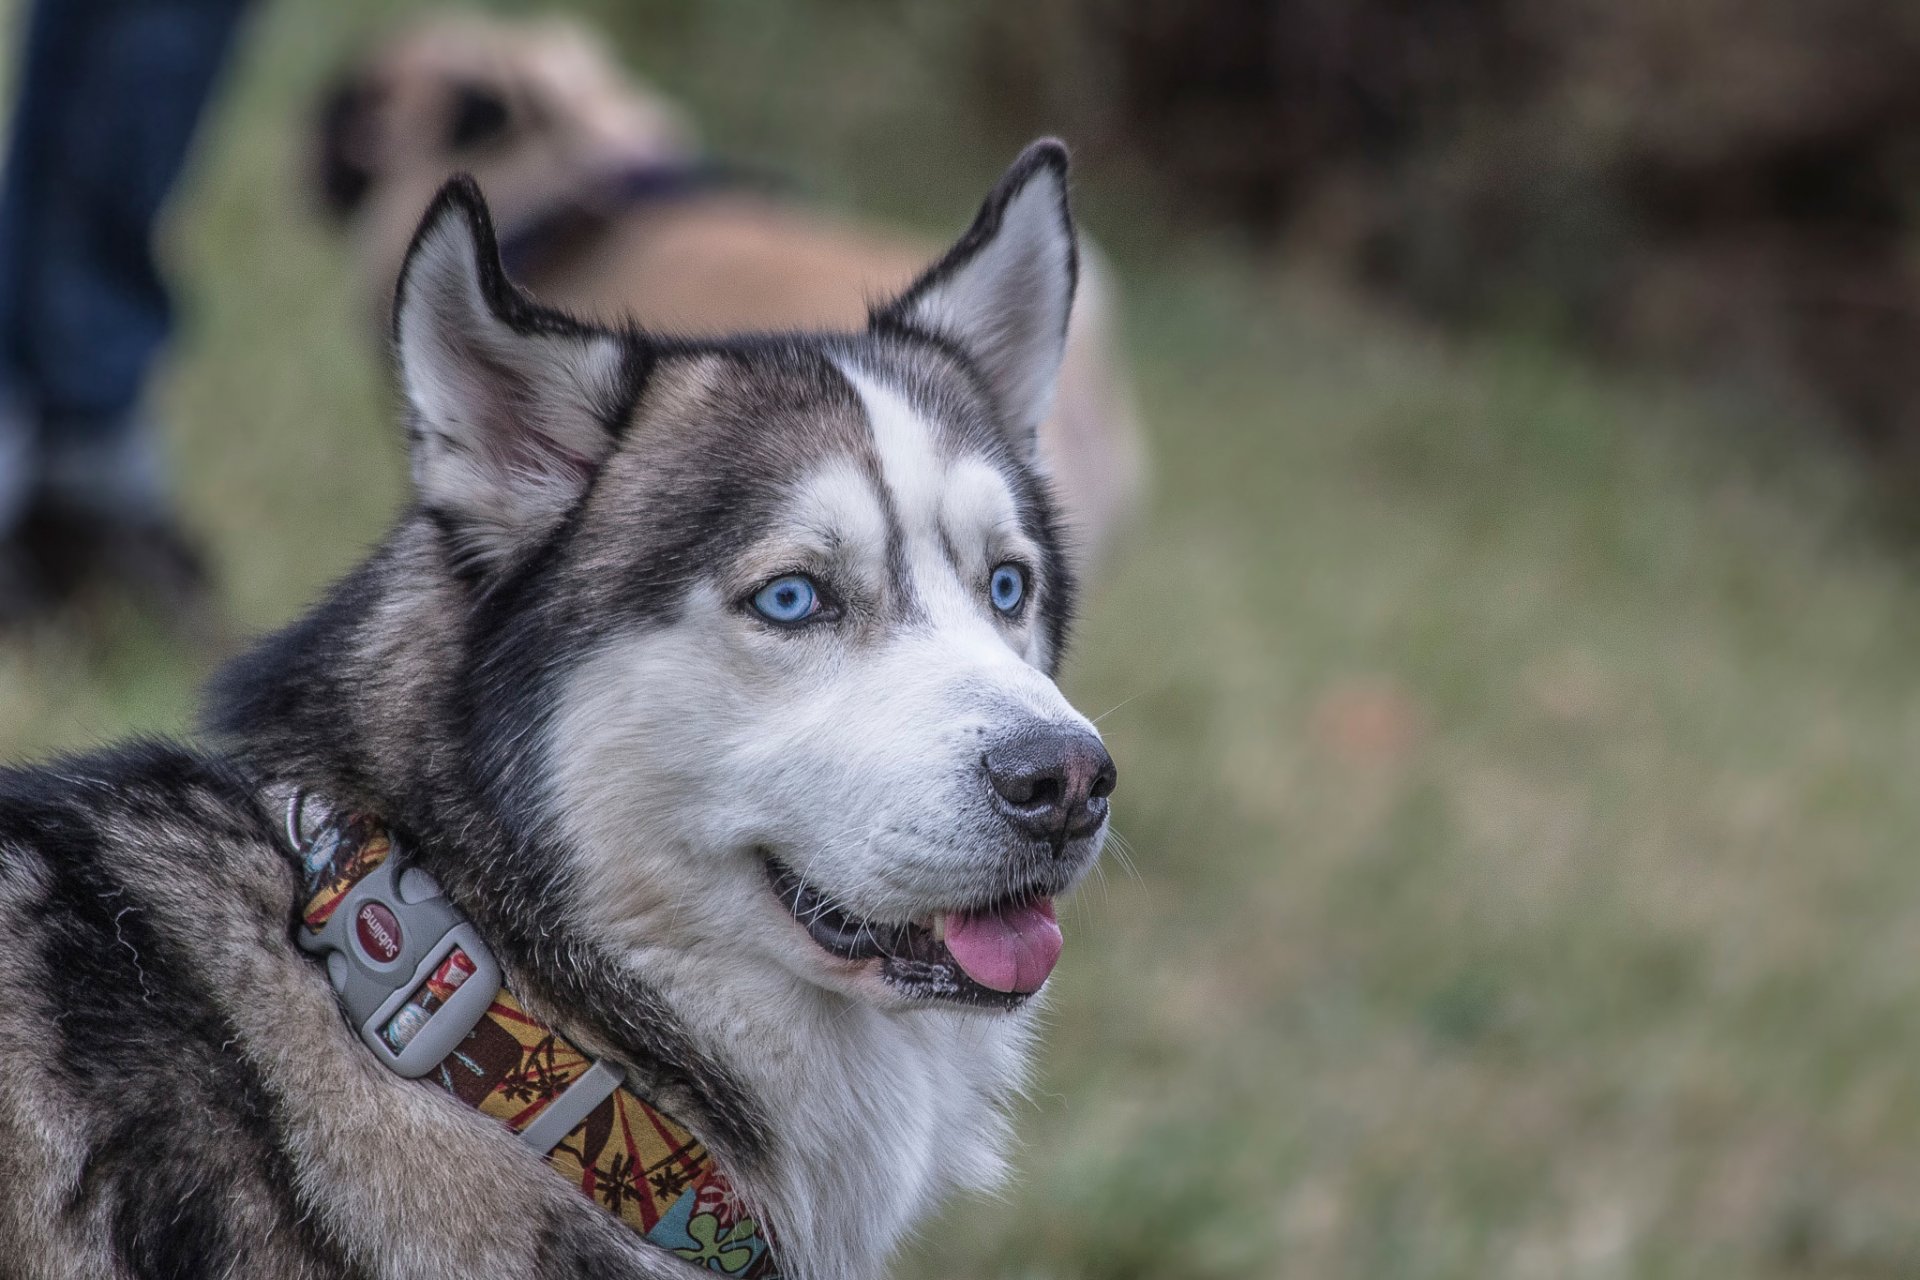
{"x":1517,"y":754}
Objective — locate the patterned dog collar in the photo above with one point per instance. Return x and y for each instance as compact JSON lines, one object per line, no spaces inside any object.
{"x":425,"y":995}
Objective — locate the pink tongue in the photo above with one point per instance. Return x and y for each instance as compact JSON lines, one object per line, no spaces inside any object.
{"x":1010,"y":950}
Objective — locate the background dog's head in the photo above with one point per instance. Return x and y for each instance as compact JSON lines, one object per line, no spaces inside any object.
{"x":529,"y":108}
{"x":768,"y":626}
{"x":515,"y":104}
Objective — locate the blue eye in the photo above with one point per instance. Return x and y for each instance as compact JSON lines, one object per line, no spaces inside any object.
{"x":787,"y":600}
{"x":1007,"y":587}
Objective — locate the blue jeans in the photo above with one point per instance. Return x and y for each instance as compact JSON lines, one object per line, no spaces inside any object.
{"x":110,"y":92}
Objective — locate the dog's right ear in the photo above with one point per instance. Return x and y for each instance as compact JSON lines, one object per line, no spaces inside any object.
{"x":512,"y":407}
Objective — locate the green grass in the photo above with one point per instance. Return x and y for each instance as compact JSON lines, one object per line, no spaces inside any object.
{"x":1516,"y":758}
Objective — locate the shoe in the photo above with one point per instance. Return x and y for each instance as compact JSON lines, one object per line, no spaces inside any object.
{"x":23,"y":588}
{"x":148,"y":556}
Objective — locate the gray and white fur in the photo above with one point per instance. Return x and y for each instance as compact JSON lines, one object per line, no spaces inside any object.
{"x":552,"y":681}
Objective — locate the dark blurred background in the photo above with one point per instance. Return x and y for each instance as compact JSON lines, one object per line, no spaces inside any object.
{"x":1514,"y":677}
{"x":1719,"y":185}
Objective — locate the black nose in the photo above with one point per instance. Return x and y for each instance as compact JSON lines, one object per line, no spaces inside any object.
{"x":1051,"y":782}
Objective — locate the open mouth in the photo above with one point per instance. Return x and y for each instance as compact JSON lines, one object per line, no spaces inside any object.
{"x":996,"y":954}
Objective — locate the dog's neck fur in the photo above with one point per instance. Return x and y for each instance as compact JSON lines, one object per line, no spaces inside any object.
{"x":842,"y":1123}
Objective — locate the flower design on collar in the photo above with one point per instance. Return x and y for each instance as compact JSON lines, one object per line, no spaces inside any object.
{"x":729,"y":1253}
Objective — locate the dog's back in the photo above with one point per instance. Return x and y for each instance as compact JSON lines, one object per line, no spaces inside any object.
{"x":136,"y":1129}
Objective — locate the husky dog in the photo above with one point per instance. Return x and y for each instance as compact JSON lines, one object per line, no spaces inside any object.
{"x":608,"y":207}
{"x":710,"y":681}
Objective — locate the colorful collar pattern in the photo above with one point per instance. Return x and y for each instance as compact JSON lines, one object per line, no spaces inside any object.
{"x":626,"y":1155}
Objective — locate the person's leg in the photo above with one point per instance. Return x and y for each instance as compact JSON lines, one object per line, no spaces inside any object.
{"x":138,"y":74}
{"x":54,"y":31}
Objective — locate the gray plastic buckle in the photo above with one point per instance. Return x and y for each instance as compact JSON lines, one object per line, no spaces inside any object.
{"x":382,"y":942}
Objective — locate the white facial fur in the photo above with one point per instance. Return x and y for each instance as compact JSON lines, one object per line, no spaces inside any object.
{"x":852,"y":750}
{"x":849,"y":750}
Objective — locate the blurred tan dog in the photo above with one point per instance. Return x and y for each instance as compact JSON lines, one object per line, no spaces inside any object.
{"x":607,"y":209}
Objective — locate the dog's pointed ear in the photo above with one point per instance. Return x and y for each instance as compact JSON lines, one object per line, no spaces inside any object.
{"x":511,"y":406}
{"x":1003,"y":293}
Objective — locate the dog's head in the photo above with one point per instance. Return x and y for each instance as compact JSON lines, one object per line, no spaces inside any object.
{"x":769,"y":625}
{"x":522,"y":105}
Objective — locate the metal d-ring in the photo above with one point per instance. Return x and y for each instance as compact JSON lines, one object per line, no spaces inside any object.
{"x":295,"y":803}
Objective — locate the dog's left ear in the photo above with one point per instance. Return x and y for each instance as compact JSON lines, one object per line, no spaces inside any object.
{"x":512,"y":406}
{"x":1002,"y":295}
